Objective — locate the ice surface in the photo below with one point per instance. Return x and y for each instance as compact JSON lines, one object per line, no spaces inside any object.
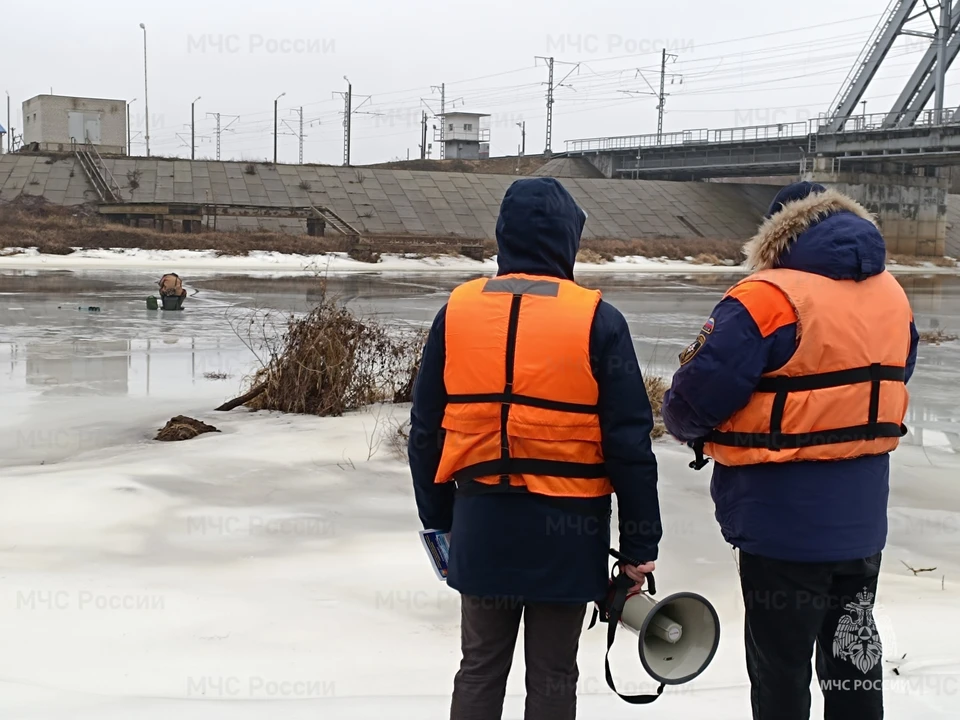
{"x":276,"y":563}
{"x":274,"y":569}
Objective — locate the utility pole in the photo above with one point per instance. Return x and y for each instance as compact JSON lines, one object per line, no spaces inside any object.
{"x":217,"y":116}
{"x":549,"y":110}
{"x":275,"y":106}
{"x":129,"y":134}
{"x":348,"y":112}
{"x":423,"y":136}
{"x":9,"y":129}
{"x":193,"y":131}
{"x":943,"y":34}
{"x":300,"y":136}
{"x":523,"y":136}
{"x":146,"y":98}
{"x":663,"y":97}
{"x":550,"y":88}
{"x":442,"y":87}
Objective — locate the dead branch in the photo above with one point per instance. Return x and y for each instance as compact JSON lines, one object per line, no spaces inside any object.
{"x":243,"y":399}
{"x":917,"y":571}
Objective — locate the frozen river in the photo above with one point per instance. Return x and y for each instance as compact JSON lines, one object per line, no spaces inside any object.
{"x":274,"y":569}
{"x":55,"y":353}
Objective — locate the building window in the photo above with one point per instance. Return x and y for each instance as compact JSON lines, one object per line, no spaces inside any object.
{"x":468,"y":126}
{"x":451,"y":126}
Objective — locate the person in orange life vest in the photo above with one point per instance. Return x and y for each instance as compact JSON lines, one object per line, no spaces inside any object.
{"x":529,"y":410}
{"x":796,"y":386}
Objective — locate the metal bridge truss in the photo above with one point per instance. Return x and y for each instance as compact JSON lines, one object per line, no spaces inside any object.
{"x":928,"y":77}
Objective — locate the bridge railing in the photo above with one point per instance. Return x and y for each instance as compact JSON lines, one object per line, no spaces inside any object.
{"x":887,"y":121}
{"x":759,"y":133}
{"x":700,"y":136}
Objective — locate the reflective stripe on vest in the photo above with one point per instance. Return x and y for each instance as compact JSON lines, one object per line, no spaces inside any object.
{"x":521,"y":410}
{"x":842,"y":394}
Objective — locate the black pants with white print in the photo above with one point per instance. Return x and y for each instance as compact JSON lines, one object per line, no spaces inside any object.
{"x":792,"y":608}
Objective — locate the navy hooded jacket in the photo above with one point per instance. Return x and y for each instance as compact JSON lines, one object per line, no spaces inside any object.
{"x":798,"y":511}
{"x":523,"y":545}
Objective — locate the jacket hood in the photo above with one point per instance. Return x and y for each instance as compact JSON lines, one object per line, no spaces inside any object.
{"x":826,"y":233}
{"x":538,"y":230}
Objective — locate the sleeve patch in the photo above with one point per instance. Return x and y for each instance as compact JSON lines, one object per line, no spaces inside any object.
{"x":708,"y":326}
{"x":692,"y":349}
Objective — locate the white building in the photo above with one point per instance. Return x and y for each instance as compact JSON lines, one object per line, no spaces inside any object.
{"x":52,"y":123}
{"x":464,"y":137}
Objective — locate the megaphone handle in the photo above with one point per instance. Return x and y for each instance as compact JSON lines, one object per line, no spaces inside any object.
{"x":616,"y":610}
{"x":651,"y":584}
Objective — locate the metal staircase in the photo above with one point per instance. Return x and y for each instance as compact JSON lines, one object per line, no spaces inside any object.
{"x":97,"y":173}
{"x":335,"y":221}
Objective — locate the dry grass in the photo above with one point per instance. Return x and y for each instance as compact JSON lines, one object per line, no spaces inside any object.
{"x":707,"y":259}
{"x":936,"y":336}
{"x":590,"y":257}
{"x":183,"y":428}
{"x":907,"y":260}
{"x":398,"y":437}
{"x":944,"y":262}
{"x":656,"y":387}
{"x":669,"y":248}
{"x":331,"y":362}
{"x":56,"y":229}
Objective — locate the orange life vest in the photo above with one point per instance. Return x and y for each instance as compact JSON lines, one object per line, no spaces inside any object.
{"x":521,"y":409}
{"x":842,"y":395}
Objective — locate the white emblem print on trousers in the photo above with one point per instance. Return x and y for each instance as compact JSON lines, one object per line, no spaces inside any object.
{"x":857,"y":639}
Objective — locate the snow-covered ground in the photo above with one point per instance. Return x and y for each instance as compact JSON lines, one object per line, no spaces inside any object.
{"x":274,"y":570}
{"x":192,"y":260}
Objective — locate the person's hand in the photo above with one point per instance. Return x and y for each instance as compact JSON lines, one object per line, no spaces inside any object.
{"x":638,"y":573}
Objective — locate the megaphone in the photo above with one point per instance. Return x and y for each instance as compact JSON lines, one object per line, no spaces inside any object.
{"x":678,"y":636}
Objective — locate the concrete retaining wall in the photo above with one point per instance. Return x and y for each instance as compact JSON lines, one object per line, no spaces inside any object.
{"x":429,"y":204}
{"x":398,"y":202}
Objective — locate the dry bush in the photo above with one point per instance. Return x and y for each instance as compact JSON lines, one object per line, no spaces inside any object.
{"x":331,"y":361}
{"x":656,"y":387}
{"x":398,"y":437}
{"x":907,"y":260}
{"x":364,"y":254}
{"x":670,"y":248}
{"x":591,"y":257}
{"x":53,"y":247}
{"x":944,"y":262}
{"x":707,"y":259}
{"x":183,"y":428}
{"x":936,"y":336}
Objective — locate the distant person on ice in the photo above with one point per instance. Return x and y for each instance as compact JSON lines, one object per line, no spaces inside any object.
{"x":529,"y":410}
{"x":797,"y":385}
{"x":172,"y":287}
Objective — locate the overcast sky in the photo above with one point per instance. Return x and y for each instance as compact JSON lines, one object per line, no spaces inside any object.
{"x":737,"y":64}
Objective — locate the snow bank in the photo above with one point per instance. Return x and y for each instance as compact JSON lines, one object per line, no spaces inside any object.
{"x":186,"y":260}
{"x":278,"y":562}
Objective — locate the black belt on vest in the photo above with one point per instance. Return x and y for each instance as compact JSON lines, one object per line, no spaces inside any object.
{"x":776,"y":440}
{"x":505,"y":465}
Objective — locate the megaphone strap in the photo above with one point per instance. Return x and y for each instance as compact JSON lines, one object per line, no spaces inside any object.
{"x":622,"y":584}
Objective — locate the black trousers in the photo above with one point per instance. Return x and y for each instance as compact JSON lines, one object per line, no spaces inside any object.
{"x":792,"y":608}
{"x":551,"y":638}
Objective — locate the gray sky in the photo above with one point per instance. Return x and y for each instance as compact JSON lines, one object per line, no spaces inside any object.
{"x":749,"y":63}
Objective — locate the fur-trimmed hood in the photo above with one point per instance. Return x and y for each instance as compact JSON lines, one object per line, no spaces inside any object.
{"x":827,"y":233}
